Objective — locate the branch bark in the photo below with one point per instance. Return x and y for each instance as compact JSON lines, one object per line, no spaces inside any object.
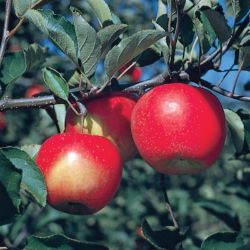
{"x":5,"y":36}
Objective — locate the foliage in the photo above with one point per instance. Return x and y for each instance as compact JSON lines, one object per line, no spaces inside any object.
{"x":77,"y":49}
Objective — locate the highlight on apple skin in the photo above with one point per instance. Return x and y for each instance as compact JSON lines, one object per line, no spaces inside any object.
{"x":179,"y":128}
{"x":108,"y":116}
{"x":82,"y":172}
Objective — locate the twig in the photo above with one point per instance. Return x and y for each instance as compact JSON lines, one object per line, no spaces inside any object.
{"x":184,"y":76}
{"x":225,"y":75}
{"x":236,"y":79}
{"x":176,"y":34}
{"x":5,"y":30}
{"x":167,"y":203}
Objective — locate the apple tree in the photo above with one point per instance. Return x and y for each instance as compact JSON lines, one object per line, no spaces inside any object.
{"x":83,"y":160}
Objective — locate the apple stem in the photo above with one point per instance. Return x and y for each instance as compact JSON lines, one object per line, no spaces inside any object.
{"x":167,"y":203}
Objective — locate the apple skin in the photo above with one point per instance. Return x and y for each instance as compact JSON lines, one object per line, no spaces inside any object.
{"x":34,"y":90}
{"x":135,"y":74}
{"x":82,"y":172}
{"x":178,"y":128}
{"x":108,"y":116}
{"x":2,"y":121}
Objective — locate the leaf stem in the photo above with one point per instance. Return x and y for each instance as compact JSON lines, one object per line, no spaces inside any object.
{"x":167,"y":203}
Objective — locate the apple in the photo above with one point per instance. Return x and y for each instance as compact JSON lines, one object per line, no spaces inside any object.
{"x":82,"y":172}
{"x":178,"y":128}
{"x":34,"y":90}
{"x":2,"y":121}
{"x":108,"y":116}
{"x":134,"y":72}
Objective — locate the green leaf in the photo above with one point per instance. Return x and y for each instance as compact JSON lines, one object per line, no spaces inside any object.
{"x":162,"y":9}
{"x":16,"y":64}
{"x":222,"y":241}
{"x":186,"y":30}
{"x":32,"y":178}
{"x":245,"y":247}
{"x":110,"y":34}
{"x":89,"y":45}
{"x":35,"y":56}
{"x":13,"y":66}
{"x":31,"y":150}
{"x":222,"y":212}
{"x":21,"y":6}
{"x":166,"y":238}
{"x":10,"y":181}
{"x":60,"y":242}
{"x":57,"y":28}
{"x":102,"y":11}
{"x":236,"y":127}
{"x":56,"y":83}
{"x":130,"y":48}
{"x":150,"y":55}
{"x":204,"y":32}
{"x":237,"y":8}
{"x":218,"y":23}
{"x":60,"y":111}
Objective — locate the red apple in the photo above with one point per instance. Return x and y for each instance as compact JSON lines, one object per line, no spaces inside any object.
{"x":135,"y":74}
{"x":34,"y":90}
{"x":108,"y":116}
{"x":2,"y":121}
{"x":178,"y":128}
{"x":82,"y":172}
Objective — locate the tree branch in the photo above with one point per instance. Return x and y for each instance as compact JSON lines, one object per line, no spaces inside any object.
{"x":5,"y":30}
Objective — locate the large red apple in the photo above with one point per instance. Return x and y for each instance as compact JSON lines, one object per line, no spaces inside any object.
{"x":82,"y":172}
{"x":178,"y":128}
{"x":108,"y":116}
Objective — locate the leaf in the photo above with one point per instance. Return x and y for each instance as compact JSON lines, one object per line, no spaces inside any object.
{"x":110,"y":34}
{"x":57,"y":28}
{"x":32,"y":178}
{"x":166,"y":238}
{"x":56,"y":83}
{"x":204,"y":32}
{"x":35,"y":56}
{"x":130,"y":48}
{"x":16,"y":64}
{"x":218,"y":24}
{"x":162,"y":9}
{"x":245,"y":247}
{"x":150,"y":55}
{"x":244,"y":58}
{"x":31,"y":150}
{"x":222,"y":212}
{"x":10,"y":181}
{"x":237,"y":8}
{"x":21,"y":6}
{"x":236,"y":128}
{"x":222,"y":241}
{"x":60,"y":111}
{"x":102,"y":11}
{"x":186,"y":30}
{"x":13,"y":66}
{"x":89,"y":45}
{"x":60,"y":242}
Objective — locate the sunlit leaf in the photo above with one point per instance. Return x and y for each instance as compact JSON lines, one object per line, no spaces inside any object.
{"x":56,"y":83}
{"x":89,"y":45}
{"x":57,"y":28}
{"x":129,"y":48}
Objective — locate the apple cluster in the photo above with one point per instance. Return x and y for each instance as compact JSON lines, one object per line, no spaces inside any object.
{"x":176,"y":128}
